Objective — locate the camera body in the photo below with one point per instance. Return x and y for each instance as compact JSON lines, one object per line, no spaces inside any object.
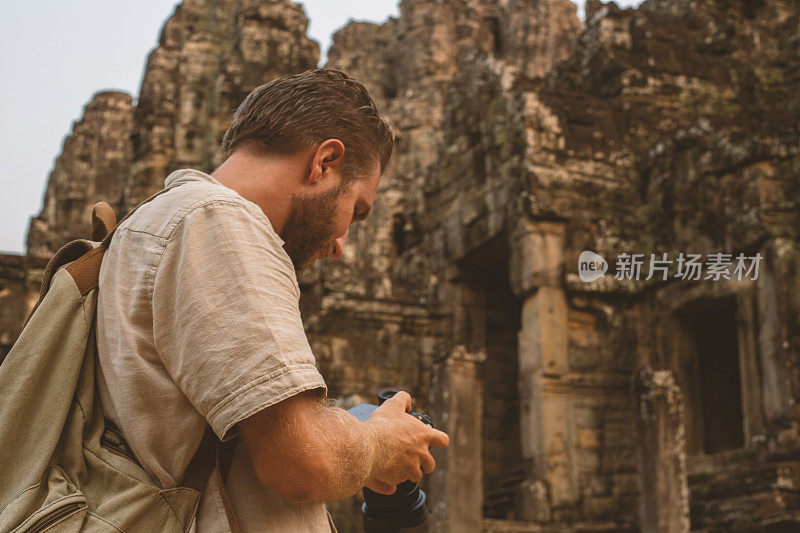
{"x":408,"y":506}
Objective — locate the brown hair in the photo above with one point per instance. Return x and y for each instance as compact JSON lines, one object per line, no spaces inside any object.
{"x":303,"y":110}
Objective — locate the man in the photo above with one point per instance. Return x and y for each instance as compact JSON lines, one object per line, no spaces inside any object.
{"x":198,"y":320}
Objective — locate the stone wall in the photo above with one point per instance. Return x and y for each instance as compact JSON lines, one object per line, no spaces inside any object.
{"x":524,"y":138}
{"x":20,"y":278}
{"x":556,"y":164}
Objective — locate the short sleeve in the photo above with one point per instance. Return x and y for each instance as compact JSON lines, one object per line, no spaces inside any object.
{"x":226,"y":319}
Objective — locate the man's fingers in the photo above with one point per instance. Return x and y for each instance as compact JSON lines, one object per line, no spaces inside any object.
{"x":380,"y":487}
{"x":403,"y":398}
{"x":415,"y":475}
{"x":428,"y":463}
{"x":439,"y":439}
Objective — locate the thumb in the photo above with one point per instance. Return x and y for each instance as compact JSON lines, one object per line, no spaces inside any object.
{"x":380,"y":487}
{"x":401,"y":398}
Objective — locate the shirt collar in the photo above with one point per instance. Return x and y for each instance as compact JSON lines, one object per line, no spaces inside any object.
{"x":188,"y":174}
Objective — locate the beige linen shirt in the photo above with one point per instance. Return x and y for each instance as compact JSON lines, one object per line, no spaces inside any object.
{"x":198,"y":322}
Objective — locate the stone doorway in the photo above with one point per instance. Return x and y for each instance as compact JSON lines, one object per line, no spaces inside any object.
{"x":709,"y":370}
{"x":496,"y":322}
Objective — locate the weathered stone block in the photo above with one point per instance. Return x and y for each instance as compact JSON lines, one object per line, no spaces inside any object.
{"x":536,"y":258}
{"x":543,"y":337}
{"x":662,"y":471}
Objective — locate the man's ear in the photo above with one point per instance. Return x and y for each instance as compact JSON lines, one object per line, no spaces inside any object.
{"x":328,"y":156}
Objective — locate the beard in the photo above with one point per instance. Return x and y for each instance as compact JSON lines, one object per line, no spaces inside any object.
{"x":309,"y":227}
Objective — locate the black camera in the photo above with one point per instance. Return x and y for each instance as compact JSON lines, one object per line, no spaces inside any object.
{"x":407,"y":506}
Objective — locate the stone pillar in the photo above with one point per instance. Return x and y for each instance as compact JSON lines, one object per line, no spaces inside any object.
{"x":546,"y":418}
{"x":459,"y":481}
{"x":546,"y":411}
{"x":775,"y":389}
{"x":664,"y":506}
{"x":537,"y":255}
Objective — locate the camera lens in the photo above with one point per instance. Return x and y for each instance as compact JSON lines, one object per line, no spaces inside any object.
{"x":407,"y":496}
{"x":388,"y":513}
{"x":405,"y":508}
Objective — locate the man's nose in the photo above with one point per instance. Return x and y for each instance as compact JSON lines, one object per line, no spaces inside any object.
{"x":338,"y":246}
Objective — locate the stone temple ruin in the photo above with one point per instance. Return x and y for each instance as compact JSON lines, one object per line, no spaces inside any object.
{"x":525,"y":136}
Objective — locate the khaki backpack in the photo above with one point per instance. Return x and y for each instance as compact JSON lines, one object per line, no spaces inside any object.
{"x":63,"y":467}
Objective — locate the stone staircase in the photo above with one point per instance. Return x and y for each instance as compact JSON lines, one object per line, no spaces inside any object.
{"x":502,"y":498}
{"x":737,"y":491}
{"x":499,"y":506}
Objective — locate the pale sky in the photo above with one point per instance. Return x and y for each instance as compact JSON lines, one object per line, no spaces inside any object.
{"x":56,"y":54}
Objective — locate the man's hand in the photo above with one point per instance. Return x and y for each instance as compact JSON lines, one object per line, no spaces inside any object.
{"x":402,"y":445}
{"x":307,"y":452}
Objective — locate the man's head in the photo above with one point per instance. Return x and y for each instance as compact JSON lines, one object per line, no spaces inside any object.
{"x":325,"y":121}
{"x":318,"y":222}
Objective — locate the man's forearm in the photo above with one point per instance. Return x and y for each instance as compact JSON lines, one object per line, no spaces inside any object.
{"x":307,"y":451}
{"x":352,"y":448}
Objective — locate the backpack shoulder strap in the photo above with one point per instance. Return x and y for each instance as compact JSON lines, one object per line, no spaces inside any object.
{"x":68,"y":253}
{"x":103,"y":221}
{"x":84,"y":255}
{"x":202,"y":464}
